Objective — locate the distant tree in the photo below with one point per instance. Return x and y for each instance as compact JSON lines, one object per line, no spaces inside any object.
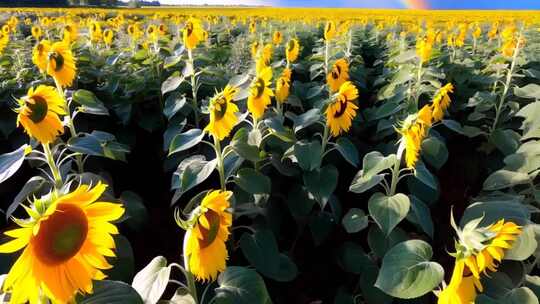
{"x":34,"y":3}
{"x":134,"y":4}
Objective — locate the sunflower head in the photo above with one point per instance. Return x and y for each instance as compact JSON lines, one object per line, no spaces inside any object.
{"x":65,"y":240}
{"x":39,"y":111}
{"x":6,"y":29}
{"x":152,"y":33}
{"x":260,"y":93}
{"x":61,"y":64}
{"x":36,"y":32}
{"x":413,"y":132}
{"x":193,"y":33}
{"x":338,"y":75}
{"x":424,"y":49}
{"x":283,"y":86}
{"x":95,"y":31}
{"x":330,"y":30}
{"x":222,"y":113}
{"x":70,"y":33}
{"x":292,"y":50}
{"x":252,"y":27}
{"x":441,"y":102}
{"x":108,"y":36}
{"x":277,"y":37}
{"x":342,"y":110}
{"x":204,"y":241}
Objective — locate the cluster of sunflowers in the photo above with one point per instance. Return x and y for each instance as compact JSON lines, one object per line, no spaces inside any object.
{"x":314,"y":93}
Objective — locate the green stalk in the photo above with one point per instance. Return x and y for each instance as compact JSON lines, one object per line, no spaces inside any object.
{"x":395,"y":169}
{"x":325,"y":139}
{"x":193,"y":89}
{"x":70,"y":124}
{"x":189,"y":276}
{"x":220,"y":166}
{"x":506,"y":86}
{"x":52,"y":165}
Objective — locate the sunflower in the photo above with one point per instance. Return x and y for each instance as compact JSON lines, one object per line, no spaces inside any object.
{"x":425,"y":115}
{"x":193,"y":33}
{"x":108,"y":37}
{"x":283,"y":86}
{"x":95,"y":32}
{"x":477,"y":249}
{"x":70,"y":33}
{"x":36,"y":32}
{"x":204,"y":243}
{"x":255,"y":49}
{"x":4,"y":40}
{"x":441,"y":102}
{"x":162,"y":29}
{"x":252,"y":27}
{"x":424,"y":49}
{"x":133,"y":31}
{"x":338,"y":75}
{"x":342,"y":110}
{"x":152,"y":33}
{"x":413,"y":132}
{"x":38,"y":113}
{"x":260,"y":93}
{"x":65,"y":241}
{"x":40,"y":55}
{"x":6,"y":29}
{"x":267,"y":53}
{"x":292,"y":50}
{"x":277,"y":37}
{"x":61,"y":64}
{"x":222,"y":113}
{"x":329,"y":30}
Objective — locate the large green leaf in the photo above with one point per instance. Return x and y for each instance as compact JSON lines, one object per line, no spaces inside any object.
{"x":253,"y":181}
{"x":503,"y":179}
{"x":11,"y":162}
{"x":347,"y":150}
{"x":407,"y":271}
{"x":434,"y":152}
{"x":98,"y":143}
{"x":355,"y":220}
{"x":388,"y":211}
{"x":370,"y":176}
{"x":191,"y":172}
{"x":308,"y":154}
{"x":186,"y":140}
{"x":239,"y":285}
{"x":152,"y":280}
{"x":89,"y":103}
{"x":111,"y":292}
{"x":321,"y":183}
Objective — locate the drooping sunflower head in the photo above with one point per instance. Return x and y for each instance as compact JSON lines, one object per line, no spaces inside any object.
{"x":292,"y":50}
{"x":36,"y":32}
{"x":338,"y":75}
{"x":424,"y":48}
{"x":441,"y":101}
{"x":61,"y":64}
{"x":222,"y":113}
{"x":40,"y":55}
{"x":329,"y":30}
{"x":277,"y":37}
{"x":95,"y":31}
{"x":71,"y":33}
{"x":108,"y":36}
{"x":260,"y":93}
{"x":204,"y":242}
{"x":413,"y":132}
{"x":342,"y":110}
{"x":283,"y":85}
{"x":39,"y":111}
{"x":193,"y":33}
{"x":65,"y":242}
{"x":462,"y":288}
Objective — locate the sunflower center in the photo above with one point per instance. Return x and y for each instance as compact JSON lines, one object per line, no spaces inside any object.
{"x":220,"y":107}
{"x":189,"y":28}
{"x":38,"y":108}
{"x":259,"y":86}
{"x":290,"y":46}
{"x":342,"y":107}
{"x":62,"y":235}
{"x":57,"y":60}
{"x":209,"y":235}
{"x":336,"y":71}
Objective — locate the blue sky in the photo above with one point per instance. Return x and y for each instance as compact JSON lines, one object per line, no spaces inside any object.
{"x":434,"y":4}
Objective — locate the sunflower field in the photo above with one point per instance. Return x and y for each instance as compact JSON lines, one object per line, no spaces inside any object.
{"x":265,"y":155}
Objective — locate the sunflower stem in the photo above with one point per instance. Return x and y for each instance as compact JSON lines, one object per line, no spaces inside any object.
{"x":192,"y":287}
{"x":507,"y":84}
{"x":70,"y":124}
{"x":395,"y":169}
{"x":325,"y":138}
{"x":220,"y":166}
{"x":193,"y":88}
{"x":52,"y":165}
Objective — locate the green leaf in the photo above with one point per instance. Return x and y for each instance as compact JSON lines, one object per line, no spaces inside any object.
{"x":191,"y":172}
{"x":253,"y":181}
{"x":89,"y":103}
{"x":173,"y":104}
{"x":124,"y":262}
{"x":420,"y":214}
{"x":453,"y":125}
{"x":245,"y":150}
{"x":372,"y":164}
{"x":321,"y":183}
{"x":434,"y":152}
{"x":308,"y":154}
{"x":388,"y":211}
{"x":507,"y":141}
{"x":352,"y":258}
{"x":355,"y":220}
{"x":152,"y":280}
{"x":111,"y":292}
{"x":11,"y":162}
{"x":304,"y":120}
{"x":371,"y":294}
{"x":98,"y":143}
{"x":422,"y":174}
{"x":261,"y":250}
{"x":407,"y":271}
{"x":348,"y":150}
{"x":380,"y":244}
{"x":530,"y":90}
{"x":492,"y":211}
{"x":171,"y":83}
{"x":186,"y":140}
{"x":533,"y":283}
{"x":321,"y":226}
{"x":524,"y":246}
{"x":32,"y":186}
{"x":299,"y":201}
{"x":522,"y":295}
{"x":239,"y":285}
{"x":503,"y":179}
{"x":136,"y":213}
{"x":181,"y":296}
